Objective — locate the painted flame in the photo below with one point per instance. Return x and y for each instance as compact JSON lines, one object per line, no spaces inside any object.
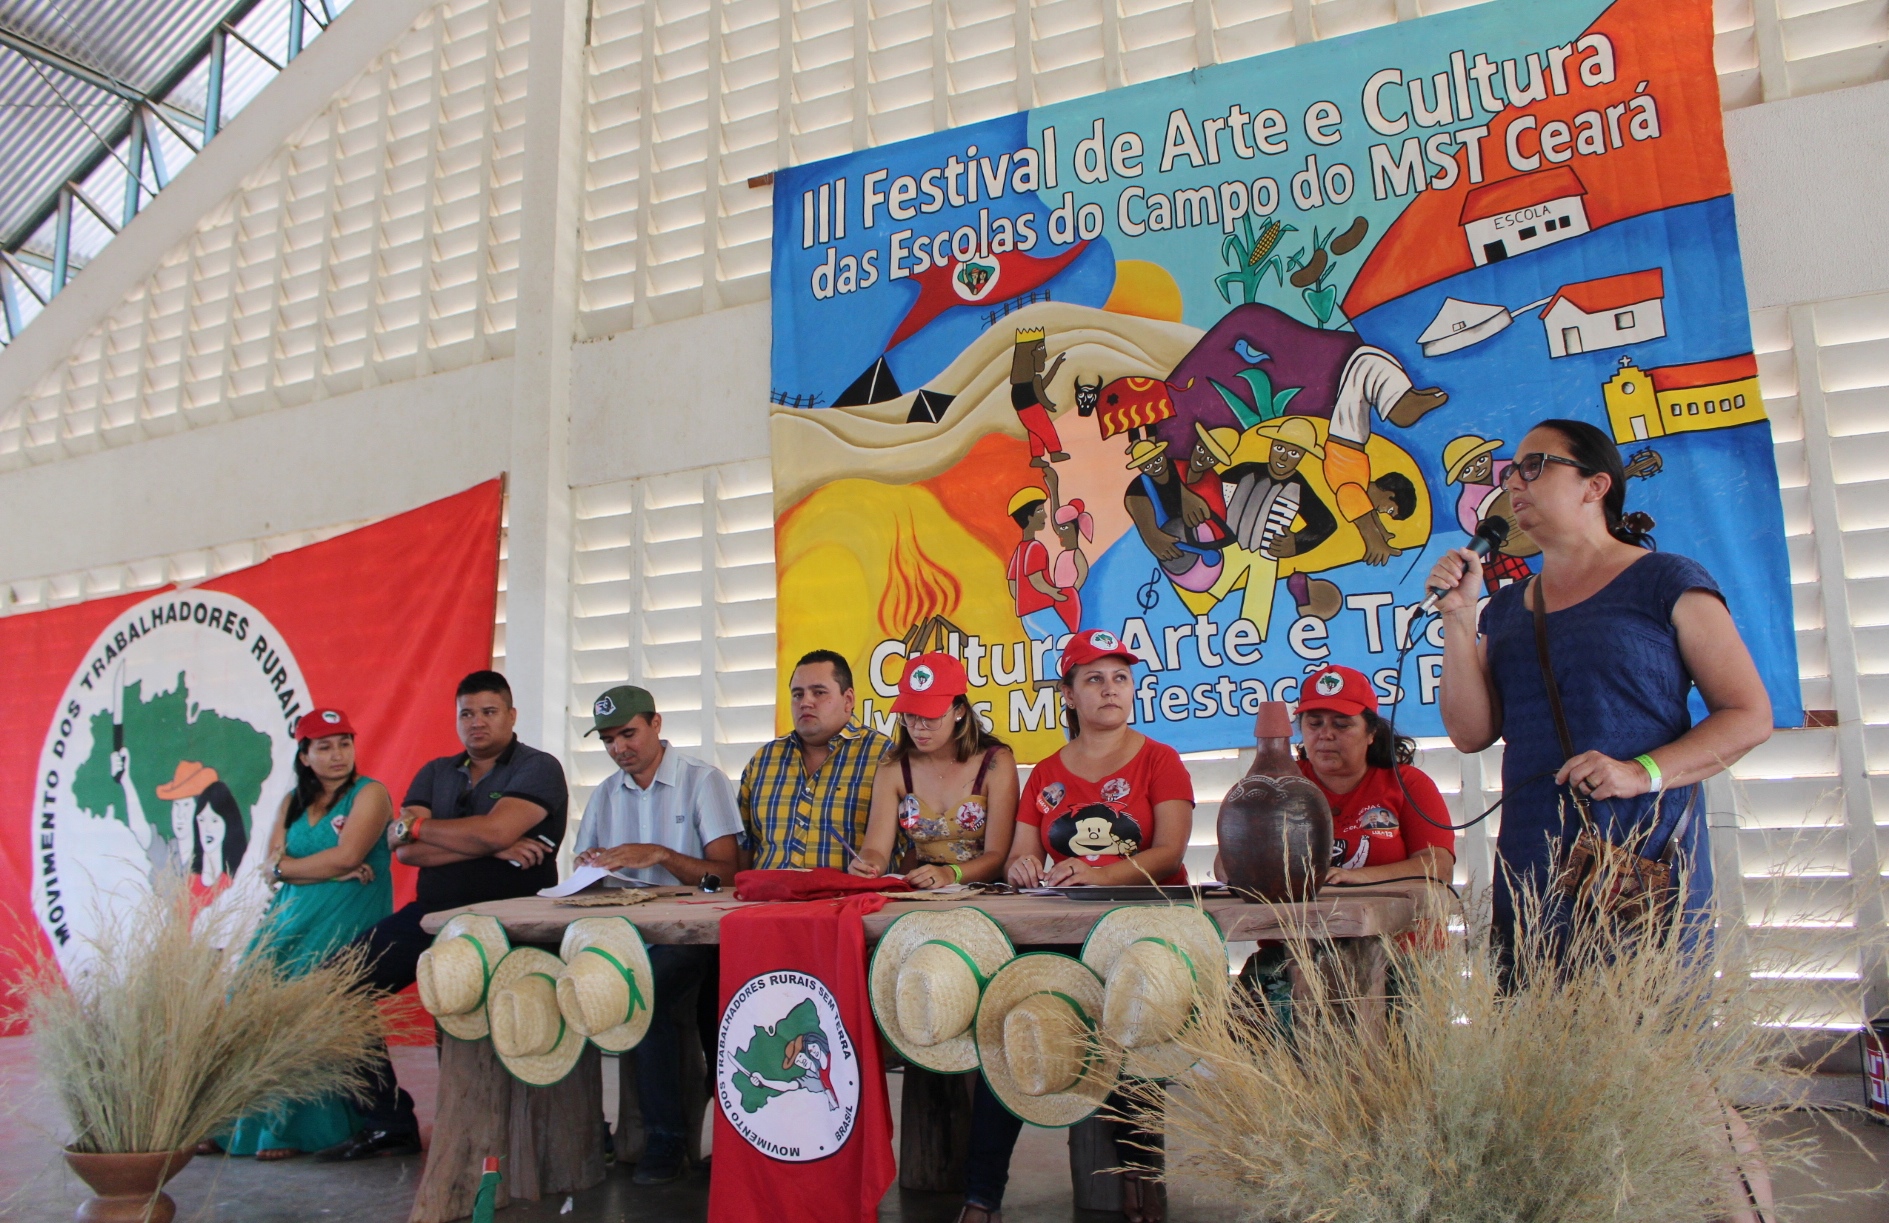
{"x":916,"y":587}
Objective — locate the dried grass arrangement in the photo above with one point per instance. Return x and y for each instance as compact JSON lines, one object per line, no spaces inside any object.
{"x":168,"y":1034}
{"x":1587,"y":1091}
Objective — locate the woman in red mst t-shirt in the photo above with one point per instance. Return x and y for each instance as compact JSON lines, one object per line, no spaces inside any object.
{"x":1378,"y":832}
{"x":1112,"y":807}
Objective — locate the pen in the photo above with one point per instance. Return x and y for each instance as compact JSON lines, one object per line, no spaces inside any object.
{"x":835,"y":834}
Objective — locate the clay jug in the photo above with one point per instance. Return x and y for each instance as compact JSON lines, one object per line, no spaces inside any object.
{"x":1275,"y":826}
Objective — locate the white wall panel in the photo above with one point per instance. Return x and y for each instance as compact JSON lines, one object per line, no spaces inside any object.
{"x":689,"y":99}
{"x":673,"y":590}
{"x":670,"y":396}
{"x":377,"y":244}
{"x":364,"y":455}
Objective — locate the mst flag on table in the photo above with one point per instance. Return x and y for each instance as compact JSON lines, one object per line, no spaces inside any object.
{"x":803,"y":1130}
{"x":155,"y":729}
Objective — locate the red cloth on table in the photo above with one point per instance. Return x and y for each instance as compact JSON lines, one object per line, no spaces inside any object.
{"x":766,"y":956}
{"x":820,"y":883}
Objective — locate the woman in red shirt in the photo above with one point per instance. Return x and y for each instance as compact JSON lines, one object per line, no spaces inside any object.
{"x":1112,"y":806}
{"x":1378,"y":832}
{"x":1379,"y":826}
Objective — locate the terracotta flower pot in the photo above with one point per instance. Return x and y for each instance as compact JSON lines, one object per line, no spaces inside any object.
{"x":129,"y":1187}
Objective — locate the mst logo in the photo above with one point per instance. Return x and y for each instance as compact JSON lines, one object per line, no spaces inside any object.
{"x":787,"y":1074}
{"x":169,"y":753}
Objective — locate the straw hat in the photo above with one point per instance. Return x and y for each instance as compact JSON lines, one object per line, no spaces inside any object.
{"x":607,"y":990}
{"x":1156,"y":963}
{"x":1221,"y":451}
{"x":528,"y":1031}
{"x":1036,"y":1040}
{"x":1028,"y":495}
{"x":1463,"y":451}
{"x":1294,"y":431}
{"x":928,"y":972}
{"x":1144,"y":452}
{"x":453,"y":973}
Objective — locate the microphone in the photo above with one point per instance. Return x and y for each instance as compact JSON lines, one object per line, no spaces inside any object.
{"x":1491,"y":534}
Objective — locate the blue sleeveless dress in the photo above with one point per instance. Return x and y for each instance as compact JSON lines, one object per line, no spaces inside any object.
{"x":1625,"y":689}
{"x":305,"y":924}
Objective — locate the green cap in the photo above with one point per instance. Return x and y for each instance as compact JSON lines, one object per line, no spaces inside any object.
{"x":618,"y":706}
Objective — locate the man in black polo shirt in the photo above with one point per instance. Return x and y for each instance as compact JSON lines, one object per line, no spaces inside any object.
{"x":482,"y":825}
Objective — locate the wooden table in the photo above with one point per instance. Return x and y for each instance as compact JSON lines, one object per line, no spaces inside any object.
{"x":681,"y":916}
{"x":552,"y":1135}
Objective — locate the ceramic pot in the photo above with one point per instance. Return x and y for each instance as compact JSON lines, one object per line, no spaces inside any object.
{"x":129,"y":1187}
{"x":1275,"y":825}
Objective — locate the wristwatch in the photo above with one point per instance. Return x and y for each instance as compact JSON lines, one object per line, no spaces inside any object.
{"x":275,"y":871}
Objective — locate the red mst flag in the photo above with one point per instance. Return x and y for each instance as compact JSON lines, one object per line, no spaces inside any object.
{"x":803,"y":1127}
{"x":153,"y":730}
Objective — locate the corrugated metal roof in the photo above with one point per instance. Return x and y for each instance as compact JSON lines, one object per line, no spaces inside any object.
{"x":136,"y":42}
{"x":55,"y":122}
{"x":72,"y":75}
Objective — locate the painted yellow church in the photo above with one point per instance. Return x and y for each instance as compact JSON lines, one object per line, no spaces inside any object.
{"x":1682,"y":398}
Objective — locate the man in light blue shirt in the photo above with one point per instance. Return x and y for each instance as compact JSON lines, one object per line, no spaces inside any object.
{"x":663,"y":818}
{"x":660,"y":816}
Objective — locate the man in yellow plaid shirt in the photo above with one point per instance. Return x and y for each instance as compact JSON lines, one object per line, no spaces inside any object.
{"x":804,"y":797}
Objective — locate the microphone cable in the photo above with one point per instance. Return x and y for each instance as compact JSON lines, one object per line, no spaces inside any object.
{"x":1411,"y":636}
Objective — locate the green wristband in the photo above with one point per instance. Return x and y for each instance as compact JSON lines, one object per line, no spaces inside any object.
{"x":1652,"y":772}
{"x":957,"y":872}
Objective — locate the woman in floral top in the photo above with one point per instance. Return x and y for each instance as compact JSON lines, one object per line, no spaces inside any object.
{"x":946,"y":789}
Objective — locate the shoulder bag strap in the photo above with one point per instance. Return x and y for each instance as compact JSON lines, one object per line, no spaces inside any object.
{"x":1547,"y":669}
{"x":1678,"y":833}
{"x":905,"y":767}
{"x":1554,"y":693}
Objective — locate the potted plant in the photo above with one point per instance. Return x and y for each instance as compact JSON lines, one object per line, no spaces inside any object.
{"x":164,"y":1031}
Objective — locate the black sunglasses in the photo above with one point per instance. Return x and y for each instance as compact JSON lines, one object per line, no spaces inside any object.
{"x":1531,"y":466}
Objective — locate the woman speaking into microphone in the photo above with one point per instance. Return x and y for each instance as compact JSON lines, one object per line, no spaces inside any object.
{"x":1585,"y":671}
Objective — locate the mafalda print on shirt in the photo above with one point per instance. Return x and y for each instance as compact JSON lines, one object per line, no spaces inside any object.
{"x":1098,"y":832}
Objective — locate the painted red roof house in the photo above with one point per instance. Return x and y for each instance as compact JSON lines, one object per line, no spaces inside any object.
{"x":1606,"y":313}
{"x":1518,"y":214}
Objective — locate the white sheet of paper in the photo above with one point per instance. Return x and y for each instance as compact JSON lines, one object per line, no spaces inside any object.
{"x":583,"y":877}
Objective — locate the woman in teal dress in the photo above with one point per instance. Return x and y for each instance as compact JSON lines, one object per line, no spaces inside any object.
{"x":329,"y":854}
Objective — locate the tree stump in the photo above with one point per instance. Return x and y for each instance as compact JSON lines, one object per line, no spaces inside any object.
{"x":549,"y":1139}
{"x":1091,"y":1153}
{"x":1367,"y":969}
{"x":934,"y":1129}
{"x":627,"y":1139}
{"x":1100,"y":1144}
{"x":473,"y":1121}
{"x":557,"y":1132}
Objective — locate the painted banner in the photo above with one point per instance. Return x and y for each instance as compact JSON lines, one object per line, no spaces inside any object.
{"x":155,"y":729}
{"x":1222,"y":363}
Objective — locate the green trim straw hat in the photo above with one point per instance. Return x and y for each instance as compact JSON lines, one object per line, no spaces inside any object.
{"x":529,"y":1032}
{"x":1157,"y":963}
{"x":608,"y":987}
{"x":455,"y":972}
{"x":1037,"y":1040}
{"x":927,"y":975}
